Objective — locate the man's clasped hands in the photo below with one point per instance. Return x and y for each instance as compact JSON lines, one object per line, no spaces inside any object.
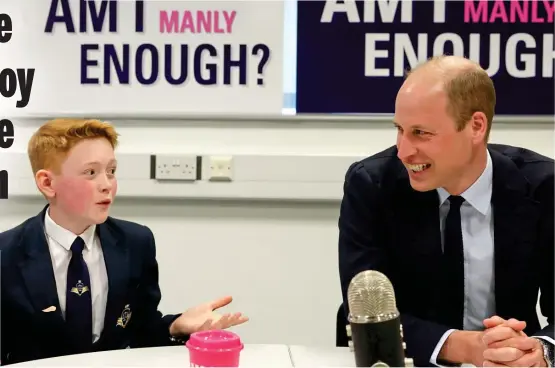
{"x":503,"y":343}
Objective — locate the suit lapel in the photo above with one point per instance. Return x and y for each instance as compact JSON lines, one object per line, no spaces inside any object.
{"x":117,"y":266}
{"x":419,"y":241}
{"x":515,"y":218}
{"x":36,"y":268}
{"x":418,"y":214}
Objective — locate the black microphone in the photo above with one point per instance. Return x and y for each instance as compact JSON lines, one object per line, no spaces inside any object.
{"x":375,"y":323}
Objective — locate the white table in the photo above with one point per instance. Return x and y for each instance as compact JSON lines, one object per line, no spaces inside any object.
{"x":314,"y":356}
{"x":321,"y":356}
{"x":175,"y":356}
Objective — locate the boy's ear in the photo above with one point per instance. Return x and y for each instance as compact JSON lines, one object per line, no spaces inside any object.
{"x":44,"y":179}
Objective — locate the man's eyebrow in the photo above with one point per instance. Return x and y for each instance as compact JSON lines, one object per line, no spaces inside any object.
{"x":420,"y":127}
{"x":417,"y":126}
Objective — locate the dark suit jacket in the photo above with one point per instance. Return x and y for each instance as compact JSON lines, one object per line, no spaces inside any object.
{"x":29,"y":287}
{"x":387,"y":226}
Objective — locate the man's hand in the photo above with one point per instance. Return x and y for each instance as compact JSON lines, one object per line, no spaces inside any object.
{"x":469,"y":346}
{"x":496,"y":321}
{"x":463,"y":347}
{"x":202,"y":317}
{"x":504,"y":348}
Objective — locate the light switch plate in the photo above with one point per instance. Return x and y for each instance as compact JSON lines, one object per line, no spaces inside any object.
{"x":220,"y":168}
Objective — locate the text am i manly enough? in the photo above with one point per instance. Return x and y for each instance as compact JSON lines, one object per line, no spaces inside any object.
{"x":415,"y":48}
{"x":10,"y":82}
{"x":122,"y":57}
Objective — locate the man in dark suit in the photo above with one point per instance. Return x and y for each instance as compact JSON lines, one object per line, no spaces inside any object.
{"x":462,"y":228}
{"x":73,"y":279}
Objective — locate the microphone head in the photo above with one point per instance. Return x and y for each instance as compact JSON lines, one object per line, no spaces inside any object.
{"x":371,"y":298}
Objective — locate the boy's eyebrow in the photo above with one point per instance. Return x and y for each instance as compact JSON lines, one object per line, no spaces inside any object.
{"x":112,"y":161}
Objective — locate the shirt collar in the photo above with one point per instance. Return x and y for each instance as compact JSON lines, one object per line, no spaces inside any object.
{"x":479,"y":193}
{"x":65,"y":237}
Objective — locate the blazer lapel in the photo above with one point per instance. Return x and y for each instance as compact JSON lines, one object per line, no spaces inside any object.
{"x":515,"y":218}
{"x":418,"y":215}
{"x":36,"y":268}
{"x":420,"y":222}
{"x":418,"y":242}
{"x":117,"y":267}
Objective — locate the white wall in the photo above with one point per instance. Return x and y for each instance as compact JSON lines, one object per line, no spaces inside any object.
{"x":277,"y":258}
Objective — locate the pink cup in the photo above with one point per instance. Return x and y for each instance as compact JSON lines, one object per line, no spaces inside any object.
{"x":216,"y":348}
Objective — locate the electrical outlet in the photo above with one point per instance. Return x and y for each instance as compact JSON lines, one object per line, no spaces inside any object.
{"x":221,"y":168}
{"x":175,"y":167}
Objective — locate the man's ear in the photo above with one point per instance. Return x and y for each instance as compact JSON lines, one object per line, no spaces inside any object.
{"x":44,"y":179}
{"x":478,"y":125}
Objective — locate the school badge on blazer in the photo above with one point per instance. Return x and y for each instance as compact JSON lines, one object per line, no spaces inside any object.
{"x":123,"y":320}
{"x":79,"y":288}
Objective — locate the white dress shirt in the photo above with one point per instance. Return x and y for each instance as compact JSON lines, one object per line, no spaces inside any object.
{"x":477,"y":233}
{"x":59,"y":244}
{"x":478,"y":243}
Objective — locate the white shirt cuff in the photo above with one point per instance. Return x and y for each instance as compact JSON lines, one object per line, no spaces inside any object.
{"x":546,"y":338}
{"x":439,"y":345}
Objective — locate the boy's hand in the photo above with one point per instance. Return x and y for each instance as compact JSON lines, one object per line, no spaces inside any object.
{"x":202,"y":317}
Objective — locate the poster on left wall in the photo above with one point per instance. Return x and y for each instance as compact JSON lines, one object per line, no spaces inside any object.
{"x":141,"y":57}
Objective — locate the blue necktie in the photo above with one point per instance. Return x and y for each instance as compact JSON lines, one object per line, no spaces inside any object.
{"x":78,"y":299}
{"x":453,"y":262}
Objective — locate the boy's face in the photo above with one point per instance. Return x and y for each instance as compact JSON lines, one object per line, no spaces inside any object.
{"x":86,"y":184}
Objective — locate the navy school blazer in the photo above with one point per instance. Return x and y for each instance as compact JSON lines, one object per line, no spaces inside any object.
{"x":29,"y":287}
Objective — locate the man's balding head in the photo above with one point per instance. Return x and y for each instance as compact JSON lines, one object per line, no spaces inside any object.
{"x":446,"y":65}
{"x":465,"y":86}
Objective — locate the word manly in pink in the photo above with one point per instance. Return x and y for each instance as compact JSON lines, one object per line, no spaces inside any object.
{"x":200,"y":21}
{"x":527,"y":11}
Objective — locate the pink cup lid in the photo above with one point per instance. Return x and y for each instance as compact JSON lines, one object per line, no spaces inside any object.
{"x":214,"y":340}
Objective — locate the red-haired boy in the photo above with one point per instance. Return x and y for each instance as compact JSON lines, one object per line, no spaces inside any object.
{"x":75,"y":280}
